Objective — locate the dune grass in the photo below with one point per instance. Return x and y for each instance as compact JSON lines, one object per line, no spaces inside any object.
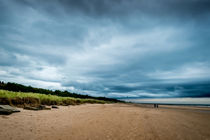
{"x":34,"y":99}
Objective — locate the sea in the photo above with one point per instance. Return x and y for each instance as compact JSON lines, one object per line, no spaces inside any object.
{"x":202,"y":102}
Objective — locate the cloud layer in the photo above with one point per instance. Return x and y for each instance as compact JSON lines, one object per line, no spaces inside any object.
{"x":108,"y":48}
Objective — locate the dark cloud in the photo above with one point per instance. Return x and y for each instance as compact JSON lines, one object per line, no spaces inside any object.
{"x":120,"y":7}
{"x":117,"y":48}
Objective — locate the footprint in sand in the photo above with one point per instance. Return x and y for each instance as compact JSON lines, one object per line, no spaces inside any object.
{"x":146,"y":117}
{"x":5,"y":117}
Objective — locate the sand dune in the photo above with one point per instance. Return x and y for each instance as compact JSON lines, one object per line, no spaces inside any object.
{"x":108,"y":121}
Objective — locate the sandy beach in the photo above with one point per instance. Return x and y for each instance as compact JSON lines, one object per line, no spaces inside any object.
{"x":108,"y":121}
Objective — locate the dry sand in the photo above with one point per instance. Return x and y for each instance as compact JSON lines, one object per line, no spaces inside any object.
{"x":108,"y":121}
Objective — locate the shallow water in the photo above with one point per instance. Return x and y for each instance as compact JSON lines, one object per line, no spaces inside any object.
{"x":175,"y":101}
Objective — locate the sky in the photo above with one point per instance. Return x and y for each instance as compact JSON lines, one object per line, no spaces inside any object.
{"x":112,"y":48}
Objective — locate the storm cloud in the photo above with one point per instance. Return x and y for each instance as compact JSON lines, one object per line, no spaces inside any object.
{"x":112,"y":48}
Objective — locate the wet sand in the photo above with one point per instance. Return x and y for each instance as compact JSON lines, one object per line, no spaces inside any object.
{"x":108,"y":121}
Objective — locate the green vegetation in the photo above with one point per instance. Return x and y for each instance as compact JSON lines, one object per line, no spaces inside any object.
{"x":21,"y":88}
{"x":35,"y":99}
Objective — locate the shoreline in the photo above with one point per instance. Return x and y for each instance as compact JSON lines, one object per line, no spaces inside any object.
{"x":190,"y":105}
{"x":189,"y":101}
{"x":185,"y":107}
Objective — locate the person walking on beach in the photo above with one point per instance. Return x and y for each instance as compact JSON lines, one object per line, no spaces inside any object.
{"x":155,"y":105}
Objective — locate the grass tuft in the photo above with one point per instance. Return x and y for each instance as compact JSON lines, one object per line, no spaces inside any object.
{"x":34,"y":99}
